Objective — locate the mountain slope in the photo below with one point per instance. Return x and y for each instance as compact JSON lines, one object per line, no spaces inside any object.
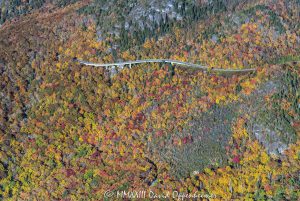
{"x":157,"y":127}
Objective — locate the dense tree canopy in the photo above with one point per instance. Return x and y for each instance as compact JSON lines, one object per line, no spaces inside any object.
{"x":73,"y":132}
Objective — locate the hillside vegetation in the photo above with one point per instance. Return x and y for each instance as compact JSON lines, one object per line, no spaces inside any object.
{"x":73,"y":132}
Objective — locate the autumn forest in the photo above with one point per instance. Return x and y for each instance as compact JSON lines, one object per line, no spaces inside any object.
{"x":69,"y":131}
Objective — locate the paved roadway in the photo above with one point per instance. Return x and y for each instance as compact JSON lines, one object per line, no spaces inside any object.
{"x":181,"y":63}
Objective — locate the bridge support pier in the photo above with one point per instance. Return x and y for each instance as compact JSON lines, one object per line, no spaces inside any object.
{"x":113,"y":71}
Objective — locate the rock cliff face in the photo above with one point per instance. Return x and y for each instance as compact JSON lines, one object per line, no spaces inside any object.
{"x":269,"y":124}
{"x":270,"y":139}
{"x":147,"y":13}
{"x":132,"y":15}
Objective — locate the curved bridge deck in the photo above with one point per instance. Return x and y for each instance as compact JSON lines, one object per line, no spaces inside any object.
{"x":181,"y":63}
